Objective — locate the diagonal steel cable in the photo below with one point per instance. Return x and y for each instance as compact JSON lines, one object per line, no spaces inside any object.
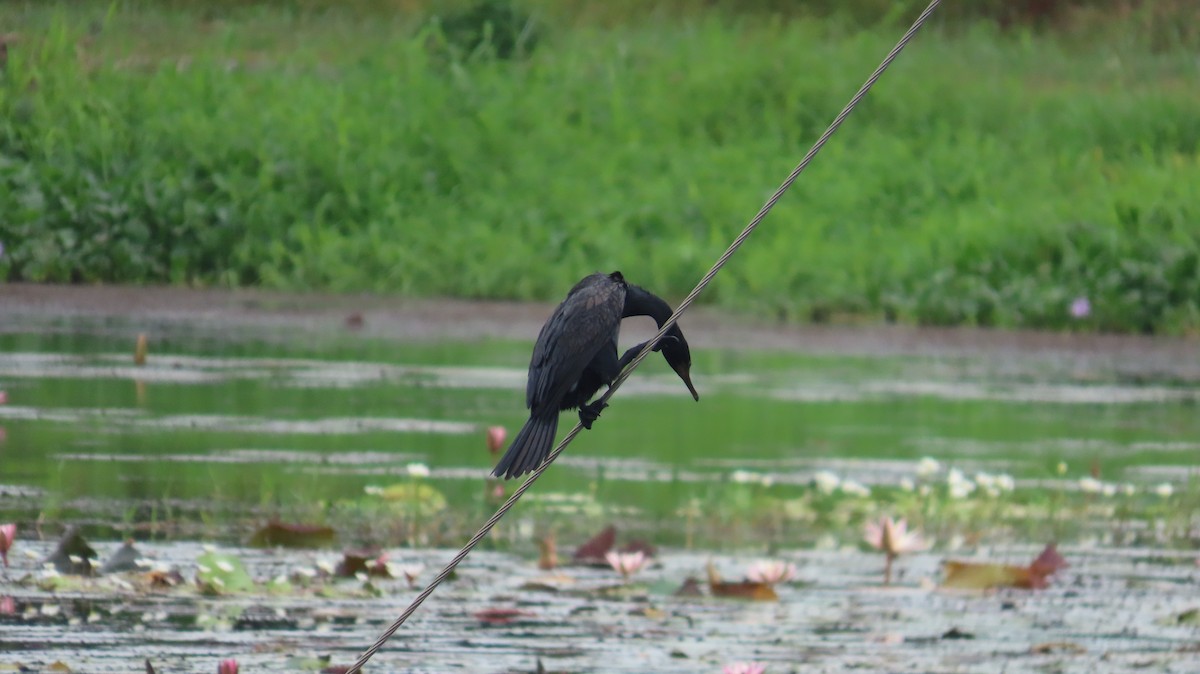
{"x":683,"y":305}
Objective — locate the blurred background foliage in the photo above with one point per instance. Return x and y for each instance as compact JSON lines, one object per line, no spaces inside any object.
{"x":1020,"y":155}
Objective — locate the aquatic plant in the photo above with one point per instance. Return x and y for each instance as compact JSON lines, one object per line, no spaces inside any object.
{"x":495,"y":438}
{"x":626,"y":563}
{"x":893,"y":538}
{"x":8,"y":533}
{"x":771,"y":572}
{"x":744,"y":668}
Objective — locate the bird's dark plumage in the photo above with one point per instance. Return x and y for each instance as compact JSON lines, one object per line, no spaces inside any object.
{"x":576,"y":354}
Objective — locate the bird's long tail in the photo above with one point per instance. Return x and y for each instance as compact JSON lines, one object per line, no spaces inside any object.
{"x":530,"y":448}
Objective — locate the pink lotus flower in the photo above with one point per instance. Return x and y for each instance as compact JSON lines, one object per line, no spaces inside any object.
{"x":745,"y":668}
{"x":8,"y":534}
{"x":771,"y":572}
{"x":626,"y":563}
{"x":8,"y":605}
{"x":495,"y":438}
{"x":229,"y":666}
{"x":3,"y":397}
{"x":894,"y":539}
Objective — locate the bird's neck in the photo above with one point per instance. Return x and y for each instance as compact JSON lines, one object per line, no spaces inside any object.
{"x":641,"y":302}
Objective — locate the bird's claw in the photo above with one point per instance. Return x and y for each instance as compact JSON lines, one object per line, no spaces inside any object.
{"x":588,"y":414}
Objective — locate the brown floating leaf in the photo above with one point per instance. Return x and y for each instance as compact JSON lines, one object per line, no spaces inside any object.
{"x":977,"y":576}
{"x":955,"y":633}
{"x":73,"y":555}
{"x":746,"y":589}
{"x":1049,"y":562}
{"x":1066,"y":647}
{"x":592,"y":552}
{"x":161,"y":580}
{"x":649,"y":612}
{"x":638,"y":545}
{"x":984,"y":576}
{"x":276,"y":533}
{"x":501,"y":616}
{"x":369,"y":562}
{"x":690,"y":588}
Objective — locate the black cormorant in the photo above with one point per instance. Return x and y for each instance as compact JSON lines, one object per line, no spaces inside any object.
{"x":576,"y":354}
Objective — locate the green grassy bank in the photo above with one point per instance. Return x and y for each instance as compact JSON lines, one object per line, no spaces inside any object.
{"x":992,"y":176}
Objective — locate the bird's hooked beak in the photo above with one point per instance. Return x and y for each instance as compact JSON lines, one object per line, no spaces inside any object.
{"x":684,"y":370}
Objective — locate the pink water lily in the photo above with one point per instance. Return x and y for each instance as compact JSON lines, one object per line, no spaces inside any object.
{"x":626,"y":563}
{"x":744,"y":668}
{"x":771,"y":572}
{"x":495,"y":438}
{"x":8,"y":534}
{"x":229,"y":666}
{"x":894,"y":539}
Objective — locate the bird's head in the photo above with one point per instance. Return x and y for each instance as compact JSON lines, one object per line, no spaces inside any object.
{"x":675,"y":350}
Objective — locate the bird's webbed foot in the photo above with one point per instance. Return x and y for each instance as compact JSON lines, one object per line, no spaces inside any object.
{"x":590,"y":412}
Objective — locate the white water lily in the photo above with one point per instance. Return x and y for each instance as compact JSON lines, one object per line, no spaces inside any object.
{"x":1061,"y":469}
{"x":827,"y":482}
{"x":1164,"y":490}
{"x":744,"y":477}
{"x":907,"y":484}
{"x":409,"y":572}
{"x":959,"y":485}
{"x":1128,"y":489}
{"x":751,"y":477}
{"x":855,"y":488}
{"x":1109,"y":490}
{"x":1090,"y":485}
{"x":961,"y":490}
{"x":990,"y":484}
{"x":1005,"y":482}
{"x":417,"y":470}
{"x":928,"y":467}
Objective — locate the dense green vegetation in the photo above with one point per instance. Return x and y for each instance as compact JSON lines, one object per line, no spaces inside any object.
{"x":993,"y":175}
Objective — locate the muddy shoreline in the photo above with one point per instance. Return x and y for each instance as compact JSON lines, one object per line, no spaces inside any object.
{"x":404,"y":319}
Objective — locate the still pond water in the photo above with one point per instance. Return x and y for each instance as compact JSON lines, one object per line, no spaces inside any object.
{"x":221,"y":431}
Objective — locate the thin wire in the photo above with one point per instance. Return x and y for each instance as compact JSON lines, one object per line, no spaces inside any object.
{"x":683,"y":305}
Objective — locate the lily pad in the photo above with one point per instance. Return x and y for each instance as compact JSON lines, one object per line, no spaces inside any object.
{"x":423,"y":498}
{"x":220,"y":573}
